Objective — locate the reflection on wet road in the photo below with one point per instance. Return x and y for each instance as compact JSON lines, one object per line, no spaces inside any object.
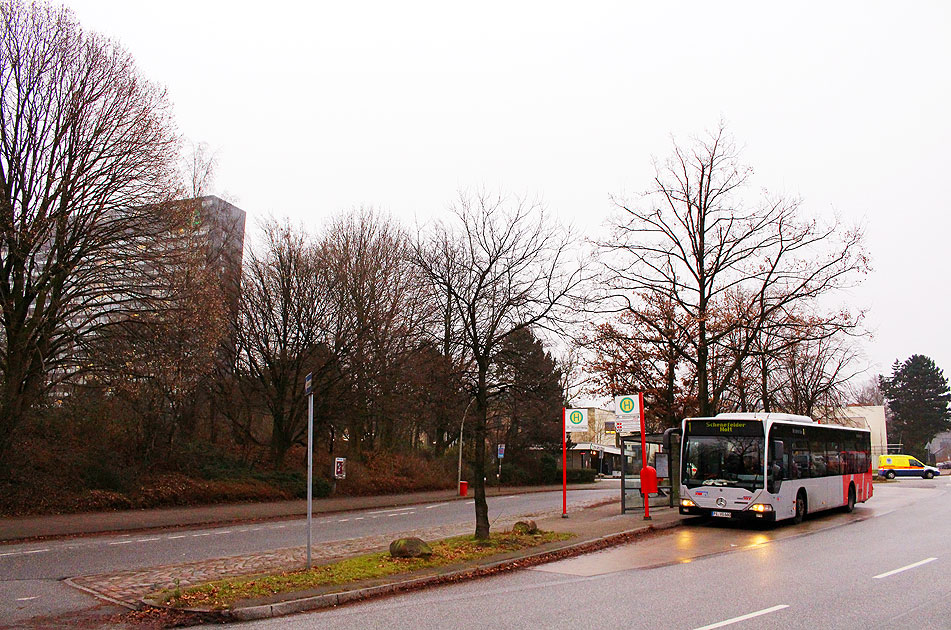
{"x":697,"y":538}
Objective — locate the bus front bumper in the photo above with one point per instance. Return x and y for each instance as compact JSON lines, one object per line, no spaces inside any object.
{"x":729,"y":515}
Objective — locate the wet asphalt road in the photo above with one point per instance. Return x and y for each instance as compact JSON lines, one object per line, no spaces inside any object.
{"x":883,"y":566}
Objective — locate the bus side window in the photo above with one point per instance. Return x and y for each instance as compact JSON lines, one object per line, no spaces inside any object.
{"x":833,"y":463}
{"x":799,"y":452}
{"x":817,"y":461}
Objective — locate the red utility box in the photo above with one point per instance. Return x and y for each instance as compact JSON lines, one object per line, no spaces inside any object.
{"x":648,"y":480}
{"x":464,"y":488}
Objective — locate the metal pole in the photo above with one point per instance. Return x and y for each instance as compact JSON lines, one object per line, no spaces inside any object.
{"x":310,"y":470}
{"x":564,"y":464}
{"x":647,"y":509}
{"x":461,"y":427}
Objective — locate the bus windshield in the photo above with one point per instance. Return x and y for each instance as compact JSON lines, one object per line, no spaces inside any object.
{"x":735,"y":461}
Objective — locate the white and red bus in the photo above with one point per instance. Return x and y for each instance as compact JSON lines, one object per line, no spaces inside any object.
{"x":771,"y":466}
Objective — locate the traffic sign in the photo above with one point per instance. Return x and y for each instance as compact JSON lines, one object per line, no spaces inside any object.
{"x":309,"y":383}
{"x":576,"y":420}
{"x":627,"y":406}
{"x":501,"y":451}
{"x":340,"y":468}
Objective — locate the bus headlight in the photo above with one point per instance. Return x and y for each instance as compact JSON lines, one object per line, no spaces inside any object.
{"x":761,"y":507}
{"x":687,"y":503}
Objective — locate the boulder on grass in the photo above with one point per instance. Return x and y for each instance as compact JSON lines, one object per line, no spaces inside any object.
{"x":525,"y":527}
{"x":410,"y":548}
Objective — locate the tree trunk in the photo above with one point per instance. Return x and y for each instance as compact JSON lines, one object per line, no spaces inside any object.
{"x":478,"y":464}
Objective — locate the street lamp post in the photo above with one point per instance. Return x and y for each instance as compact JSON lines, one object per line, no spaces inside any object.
{"x":461,"y":427}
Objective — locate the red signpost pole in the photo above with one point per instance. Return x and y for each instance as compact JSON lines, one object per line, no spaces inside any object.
{"x":647,"y":510}
{"x":564,"y":464}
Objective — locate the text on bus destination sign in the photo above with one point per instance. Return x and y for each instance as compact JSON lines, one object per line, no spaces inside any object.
{"x":725,"y":427}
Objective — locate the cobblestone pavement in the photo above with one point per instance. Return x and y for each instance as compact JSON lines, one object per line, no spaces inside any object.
{"x":128,"y":587}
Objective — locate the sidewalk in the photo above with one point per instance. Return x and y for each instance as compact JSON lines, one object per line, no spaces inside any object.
{"x":57,"y":525}
{"x":597,"y":525}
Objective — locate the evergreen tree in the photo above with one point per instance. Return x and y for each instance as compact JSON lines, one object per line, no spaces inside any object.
{"x":917,"y":395}
{"x":527,"y":409}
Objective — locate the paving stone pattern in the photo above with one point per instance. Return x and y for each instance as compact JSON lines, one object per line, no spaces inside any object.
{"x":130,"y":586}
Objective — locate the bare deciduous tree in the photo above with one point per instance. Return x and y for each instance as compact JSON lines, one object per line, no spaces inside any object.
{"x":502,"y":267}
{"x":286,"y":328}
{"x":87,"y":158}
{"x":726,"y":267}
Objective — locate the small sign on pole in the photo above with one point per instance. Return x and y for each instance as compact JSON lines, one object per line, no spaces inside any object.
{"x":627,"y":406}
{"x":340,"y":468}
{"x":576,"y":420}
{"x":309,"y":383}
{"x":501,"y":451}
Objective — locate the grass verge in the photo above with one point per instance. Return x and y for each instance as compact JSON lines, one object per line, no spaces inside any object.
{"x":223,"y":594}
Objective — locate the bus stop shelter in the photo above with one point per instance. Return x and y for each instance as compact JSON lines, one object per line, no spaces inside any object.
{"x":663,"y":453}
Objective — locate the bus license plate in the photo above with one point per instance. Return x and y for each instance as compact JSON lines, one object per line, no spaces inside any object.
{"x":721,"y":514}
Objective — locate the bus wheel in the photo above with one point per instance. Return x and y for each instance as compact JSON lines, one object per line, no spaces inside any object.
{"x":850,"y":505}
{"x":890,"y":474}
{"x":929,"y":475}
{"x":800,"y":507}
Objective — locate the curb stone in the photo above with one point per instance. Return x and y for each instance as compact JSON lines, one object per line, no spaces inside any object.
{"x":329,"y":600}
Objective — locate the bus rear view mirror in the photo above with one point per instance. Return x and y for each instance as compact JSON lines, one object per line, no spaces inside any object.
{"x":778,"y":450}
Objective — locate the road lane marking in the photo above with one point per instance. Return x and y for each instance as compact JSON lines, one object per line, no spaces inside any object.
{"x":401,"y":514}
{"x":122,"y":542}
{"x":758,"y":613}
{"x":359,"y":518}
{"x":26,"y":599}
{"x":905,"y":568}
{"x":22,"y":553}
{"x":227,"y":531}
{"x":402,"y":509}
{"x":197,"y":535}
{"x":176,"y":537}
{"x":148,"y":539}
{"x":436,"y":505}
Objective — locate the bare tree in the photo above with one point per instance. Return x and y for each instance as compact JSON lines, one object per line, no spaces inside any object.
{"x":869,"y":393}
{"x":87,"y":158}
{"x":502,"y":267}
{"x":378,"y":292}
{"x":286,"y":328}
{"x":813,"y":377}
{"x":724,"y":266}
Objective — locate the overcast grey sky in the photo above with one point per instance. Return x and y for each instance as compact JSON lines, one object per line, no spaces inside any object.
{"x":320,"y":107}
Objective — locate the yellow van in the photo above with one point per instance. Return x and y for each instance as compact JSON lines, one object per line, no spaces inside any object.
{"x":891,"y":466}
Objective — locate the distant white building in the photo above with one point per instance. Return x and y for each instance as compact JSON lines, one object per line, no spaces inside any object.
{"x":868,"y":417}
{"x":940,"y":447}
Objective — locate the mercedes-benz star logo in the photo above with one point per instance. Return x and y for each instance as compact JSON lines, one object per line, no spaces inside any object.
{"x":721,"y":502}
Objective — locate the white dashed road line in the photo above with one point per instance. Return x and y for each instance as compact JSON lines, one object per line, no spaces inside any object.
{"x":402,"y":509}
{"x":751,"y":615}
{"x":23,"y":553}
{"x":26,"y":599}
{"x":904,"y":568}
